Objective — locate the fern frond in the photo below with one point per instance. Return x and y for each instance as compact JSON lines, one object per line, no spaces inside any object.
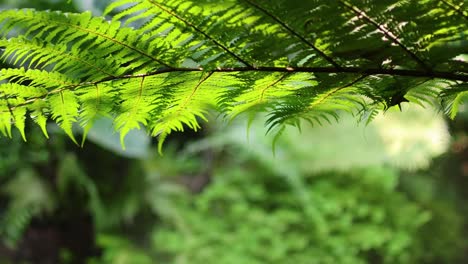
{"x":186,"y":106}
{"x":427,"y":91}
{"x":454,"y":97}
{"x":64,"y":107}
{"x":367,"y":114}
{"x":96,"y":102}
{"x":14,"y":223}
{"x":163,"y":64}
{"x":255,"y":91}
{"x":39,"y":55}
{"x":81,"y":33}
{"x":25,"y":205}
{"x":5,"y":119}
{"x":324,"y":103}
{"x":29,"y":97}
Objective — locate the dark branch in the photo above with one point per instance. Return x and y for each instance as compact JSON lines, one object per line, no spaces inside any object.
{"x":352,"y":70}
{"x":344,"y":70}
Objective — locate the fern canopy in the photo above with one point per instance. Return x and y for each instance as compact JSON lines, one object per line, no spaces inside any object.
{"x":164,"y":64}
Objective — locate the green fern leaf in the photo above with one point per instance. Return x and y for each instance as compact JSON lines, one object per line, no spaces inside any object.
{"x":96,"y":102}
{"x":184,"y":108}
{"x":454,"y":98}
{"x":139,"y":103}
{"x":64,"y":107}
{"x":5,"y":119}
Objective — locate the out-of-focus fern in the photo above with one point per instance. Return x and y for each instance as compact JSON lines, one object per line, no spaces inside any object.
{"x":24,"y":206}
{"x":162,"y":64}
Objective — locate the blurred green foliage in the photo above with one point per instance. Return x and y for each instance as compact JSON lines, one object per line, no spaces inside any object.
{"x":247,"y":216}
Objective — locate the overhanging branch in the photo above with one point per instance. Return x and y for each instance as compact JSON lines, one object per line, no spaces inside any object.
{"x":463,"y":77}
{"x":356,"y":70}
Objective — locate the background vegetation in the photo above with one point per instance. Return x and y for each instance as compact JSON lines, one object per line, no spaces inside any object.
{"x":390,"y":192}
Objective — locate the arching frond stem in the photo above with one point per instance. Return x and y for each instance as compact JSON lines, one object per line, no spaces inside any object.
{"x":457,"y":9}
{"x":284,"y":76}
{"x":387,"y":33}
{"x":206,"y":35}
{"x":122,"y":44}
{"x":195,"y":89}
{"x":293,"y":32}
{"x":334,"y":91}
